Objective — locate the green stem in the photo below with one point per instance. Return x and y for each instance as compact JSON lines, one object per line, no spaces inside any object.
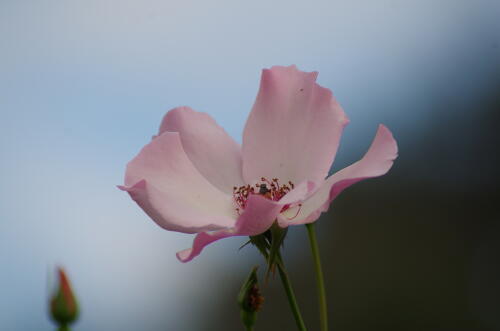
{"x":291,"y":296}
{"x":63,"y":328}
{"x":323,"y":311}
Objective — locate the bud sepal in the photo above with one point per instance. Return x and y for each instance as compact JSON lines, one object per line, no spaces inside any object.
{"x":250,"y":299}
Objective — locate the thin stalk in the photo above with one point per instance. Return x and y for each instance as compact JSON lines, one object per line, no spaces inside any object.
{"x":323,"y":311}
{"x":63,"y":328}
{"x":290,"y":294}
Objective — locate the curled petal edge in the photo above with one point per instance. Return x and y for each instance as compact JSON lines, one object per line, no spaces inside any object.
{"x":377,"y":161}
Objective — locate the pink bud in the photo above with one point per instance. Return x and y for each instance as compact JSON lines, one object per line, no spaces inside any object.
{"x":63,"y":304}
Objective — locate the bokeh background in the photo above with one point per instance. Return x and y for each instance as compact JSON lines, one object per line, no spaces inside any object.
{"x":84,"y":85}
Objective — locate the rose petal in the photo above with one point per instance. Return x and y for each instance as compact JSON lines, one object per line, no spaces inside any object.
{"x":164,"y":182}
{"x":300,"y":193}
{"x":294,"y":129}
{"x":211,"y":150}
{"x":258,"y":216}
{"x":376,"y":162}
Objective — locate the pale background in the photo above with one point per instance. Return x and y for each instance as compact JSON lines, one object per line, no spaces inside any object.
{"x":84,"y":85}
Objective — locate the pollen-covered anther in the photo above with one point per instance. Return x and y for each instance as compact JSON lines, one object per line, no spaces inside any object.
{"x":271,"y":189}
{"x":240,"y":195}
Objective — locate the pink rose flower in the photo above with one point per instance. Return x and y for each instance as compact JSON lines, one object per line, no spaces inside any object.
{"x":194,"y":178}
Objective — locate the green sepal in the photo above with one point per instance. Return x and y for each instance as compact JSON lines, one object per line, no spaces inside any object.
{"x":62,"y":311}
{"x":244,"y":245}
{"x":261,"y":242}
{"x":248,"y":319}
{"x":269,"y":244}
{"x":278,"y":235}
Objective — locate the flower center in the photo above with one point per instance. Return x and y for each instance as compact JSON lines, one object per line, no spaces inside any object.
{"x":270,"y":189}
